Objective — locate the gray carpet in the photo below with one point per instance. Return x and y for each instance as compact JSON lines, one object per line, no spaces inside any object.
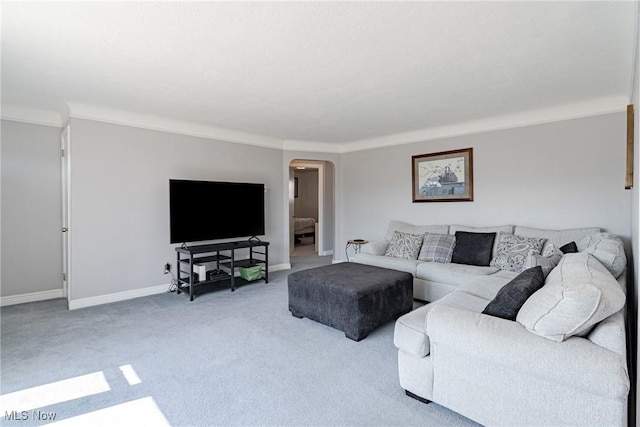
{"x":227,"y":358}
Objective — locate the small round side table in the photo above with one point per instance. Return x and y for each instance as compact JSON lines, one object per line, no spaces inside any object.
{"x":357,"y":245}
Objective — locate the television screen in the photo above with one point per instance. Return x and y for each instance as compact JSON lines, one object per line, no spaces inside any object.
{"x":211,"y":210}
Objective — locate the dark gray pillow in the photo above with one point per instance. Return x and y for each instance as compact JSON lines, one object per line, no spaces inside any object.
{"x":569,"y":248}
{"x":513,"y":295}
{"x":473,"y":248}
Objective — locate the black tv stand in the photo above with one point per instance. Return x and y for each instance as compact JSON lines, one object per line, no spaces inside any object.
{"x":211,"y":253}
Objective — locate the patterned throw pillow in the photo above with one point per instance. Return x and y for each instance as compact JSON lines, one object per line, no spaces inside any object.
{"x":547,"y":261}
{"x":404,"y":245}
{"x":437,"y":247}
{"x":513,"y":249}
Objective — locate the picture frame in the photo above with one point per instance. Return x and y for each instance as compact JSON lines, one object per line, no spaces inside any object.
{"x":446,"y":176}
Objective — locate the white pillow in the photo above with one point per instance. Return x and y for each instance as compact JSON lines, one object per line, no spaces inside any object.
{"x":578,"y":293}
{"x":608,"y":249}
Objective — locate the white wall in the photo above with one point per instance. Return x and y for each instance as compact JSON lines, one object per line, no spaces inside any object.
{"x":120,"y":200}
{"x":31,"y":210}
{"x":557,"y":175}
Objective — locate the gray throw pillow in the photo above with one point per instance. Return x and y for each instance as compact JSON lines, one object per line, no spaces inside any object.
{"x":548,"y":260}
{"x":404,"y":245}
{"x":513,"y":249}
{"x":437,"y":247}
{"x":512,"y":296}
{"x":473,"y":248}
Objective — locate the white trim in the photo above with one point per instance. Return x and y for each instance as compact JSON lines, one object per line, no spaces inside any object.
{"x":118,"y":296}
{"x":324,"y":253}
{"x":313,"y":147}
{"x":607,"y":105}
{"x":31,"y":297}
{"x":589,"y":108}
{"x":279,"y":267}
{"x":166,"y":124}
{"x":137,"y":293}
{"x":32,"y":116}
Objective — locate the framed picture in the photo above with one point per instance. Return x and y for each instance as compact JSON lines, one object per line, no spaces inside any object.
{"x":443,"y":177}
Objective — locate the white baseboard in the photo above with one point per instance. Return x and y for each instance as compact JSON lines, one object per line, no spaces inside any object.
{"x":118,"y":296}
{"x":31,"y":297}
{"x":323,"y":253}
{"x":136,"y":293}
{"x":101,"y":299}
{"x":278,"y":267}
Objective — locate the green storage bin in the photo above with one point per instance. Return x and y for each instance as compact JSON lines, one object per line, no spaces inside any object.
{"x":251,"y":273}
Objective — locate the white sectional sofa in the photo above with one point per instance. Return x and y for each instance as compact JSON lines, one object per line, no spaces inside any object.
{"x":563,"y":361}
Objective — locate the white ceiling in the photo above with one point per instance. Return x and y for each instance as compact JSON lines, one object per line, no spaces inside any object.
{"x":303,"y":73}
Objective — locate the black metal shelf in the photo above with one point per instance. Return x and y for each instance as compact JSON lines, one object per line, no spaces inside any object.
{"x":243,"y":262}
{"x":203,"y":259}
{"x":226,"y":261}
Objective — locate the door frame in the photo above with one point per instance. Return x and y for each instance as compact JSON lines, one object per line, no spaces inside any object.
{"x":65,"y":151}
{"x":320,"y":235}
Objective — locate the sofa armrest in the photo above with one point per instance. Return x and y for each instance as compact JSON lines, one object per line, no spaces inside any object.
{"x":377,"y":247}
{"x":575,"y":362}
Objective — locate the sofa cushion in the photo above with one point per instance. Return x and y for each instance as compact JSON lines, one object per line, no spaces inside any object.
{"x":455,"y":274}
{"x":547,"y":261}
{"x":513,"y":295}
{"x":487,"y":287}
{"x":473,"y":248}
{"x":414,"y":229}
{"x":376,"y":247}
{"x":608,"y":249}
{"x":513,"y":249}
{"x":410,"y":333}
{"x":437,"y":247}
{"x":404,"y":245}
{"x":577,"y":294}
{"x":557,"y":237}
{"x":400,"y":264}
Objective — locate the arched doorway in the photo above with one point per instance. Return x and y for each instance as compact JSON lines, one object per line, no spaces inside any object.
{"x":311,"y":208}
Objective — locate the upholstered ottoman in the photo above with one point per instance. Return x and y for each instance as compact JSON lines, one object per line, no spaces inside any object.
{"x":351,"y":297}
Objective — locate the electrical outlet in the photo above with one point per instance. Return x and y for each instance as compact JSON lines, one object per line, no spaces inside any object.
{"x":167,"y":268}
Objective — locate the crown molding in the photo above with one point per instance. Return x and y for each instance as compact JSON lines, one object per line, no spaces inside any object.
{"x":311,"y":146}
{"x":594,"y":107}
{"x":165,"y":124}
{"x":33,"y":116}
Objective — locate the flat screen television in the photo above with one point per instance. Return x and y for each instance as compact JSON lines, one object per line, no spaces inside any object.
{"x":211,"y":210}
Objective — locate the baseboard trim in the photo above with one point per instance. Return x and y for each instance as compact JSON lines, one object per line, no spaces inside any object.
{"x":136,"y":293}
{"x":31,"y":297}
{"x":118,"y":296}
{"x":278,"y":267}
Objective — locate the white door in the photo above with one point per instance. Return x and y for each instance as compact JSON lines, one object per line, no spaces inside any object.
{"x":65,"y":143}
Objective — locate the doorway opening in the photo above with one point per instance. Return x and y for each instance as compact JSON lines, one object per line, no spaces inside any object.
{"x":310,"y":208}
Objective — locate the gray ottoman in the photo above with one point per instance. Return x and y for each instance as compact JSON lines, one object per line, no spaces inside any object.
{"x":354,"y":298}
